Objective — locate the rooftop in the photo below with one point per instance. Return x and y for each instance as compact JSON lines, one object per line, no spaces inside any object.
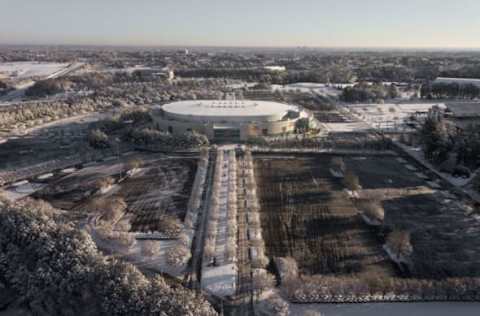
{"x":229,"y":108}
{"x":458,"y":80}
{"x":464,"y":109}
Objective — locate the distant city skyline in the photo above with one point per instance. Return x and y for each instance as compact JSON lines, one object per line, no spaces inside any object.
{"x":247,"y":23}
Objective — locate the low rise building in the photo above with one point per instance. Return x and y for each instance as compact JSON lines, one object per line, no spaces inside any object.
{"x":229,"y":120}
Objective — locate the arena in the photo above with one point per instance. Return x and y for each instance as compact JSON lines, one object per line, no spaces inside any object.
{"x":229,"y":119}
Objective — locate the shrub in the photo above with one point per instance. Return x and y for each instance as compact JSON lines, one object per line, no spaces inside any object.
{"x":137,"y":116}
{"x":150,"y":248}
{"x":169,"y":224}
{"x":98,"y":139}
{"x":178,"y":256}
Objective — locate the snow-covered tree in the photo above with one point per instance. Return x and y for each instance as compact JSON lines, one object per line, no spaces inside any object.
{"x":53,"y":268}
{"x":150,"y":248}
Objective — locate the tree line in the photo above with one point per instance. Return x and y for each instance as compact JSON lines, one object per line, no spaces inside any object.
{"x":441,"y":90}
{"x":448,"y":146}
{"x":50,"y":268}
{"x":364,"y":92}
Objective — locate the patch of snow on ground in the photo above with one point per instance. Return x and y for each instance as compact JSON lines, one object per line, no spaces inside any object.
{"x":220,"y":281}
{"x":23,"y":70}
{"x":389,"y":115}
{"x":21,"y":191}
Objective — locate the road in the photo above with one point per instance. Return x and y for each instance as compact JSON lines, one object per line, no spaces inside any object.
{"x":196,"y":274}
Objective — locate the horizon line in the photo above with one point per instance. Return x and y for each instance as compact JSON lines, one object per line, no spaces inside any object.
{"x":340,"y":47}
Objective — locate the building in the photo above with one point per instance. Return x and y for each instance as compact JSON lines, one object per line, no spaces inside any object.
{"x":229,"y":119}
{"x":459,"y":81}
{"x":463,"y":114}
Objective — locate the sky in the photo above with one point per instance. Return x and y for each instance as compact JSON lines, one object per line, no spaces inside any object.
{"x":264,"y":23}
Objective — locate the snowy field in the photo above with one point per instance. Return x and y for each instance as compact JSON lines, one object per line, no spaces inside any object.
{"x":134,"y":253}
{"x":220,"y":280}
{"x":347,"y":127}
{"x":25,"y":70}
{"x":390,"y":309}
{"x":21,"y":191}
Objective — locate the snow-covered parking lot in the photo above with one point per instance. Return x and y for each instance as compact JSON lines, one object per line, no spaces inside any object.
{"x":389,"y":115}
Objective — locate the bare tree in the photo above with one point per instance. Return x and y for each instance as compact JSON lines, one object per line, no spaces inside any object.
{"x":114,"y":209}
{"x":104,"y":183}
{"x":398,"y":242}
{"x":209,"y":250}
{"x":373,"y":211}
{"x":351,"y":181}
{"x":338,"y":164}
{"x":263,"y":281}
{"x":133,"y":164}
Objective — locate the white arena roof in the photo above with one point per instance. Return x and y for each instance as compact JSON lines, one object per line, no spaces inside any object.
{"x":227,"y":110}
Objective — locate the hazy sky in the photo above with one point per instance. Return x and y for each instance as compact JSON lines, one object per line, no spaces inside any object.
{"x":361,"y":23}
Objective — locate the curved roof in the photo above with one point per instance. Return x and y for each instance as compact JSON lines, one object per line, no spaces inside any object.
{"x":227,"y":110}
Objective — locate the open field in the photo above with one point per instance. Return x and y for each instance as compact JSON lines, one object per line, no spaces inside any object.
{"x":306,"y":214}
{"x":161,"y":187}
{"x":389,"y":117}
{"x":50,"y":140}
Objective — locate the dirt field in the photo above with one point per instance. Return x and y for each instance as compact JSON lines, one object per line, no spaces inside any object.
{"x":45,"y":143}
{"x":163,"y":188}
{"x":329,"y":117}
{"x":160,"y":187}
{"x":307,"y":215}
{"x":446,"y":241}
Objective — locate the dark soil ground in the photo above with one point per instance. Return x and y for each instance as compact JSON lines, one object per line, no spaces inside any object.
{"x":307,"y":215}
{"x":162,"y":187}
{"x":163,"y":190}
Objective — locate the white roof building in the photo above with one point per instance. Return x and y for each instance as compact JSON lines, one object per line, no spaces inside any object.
{"x":229,"y":119}
{"x":224,"y":111}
